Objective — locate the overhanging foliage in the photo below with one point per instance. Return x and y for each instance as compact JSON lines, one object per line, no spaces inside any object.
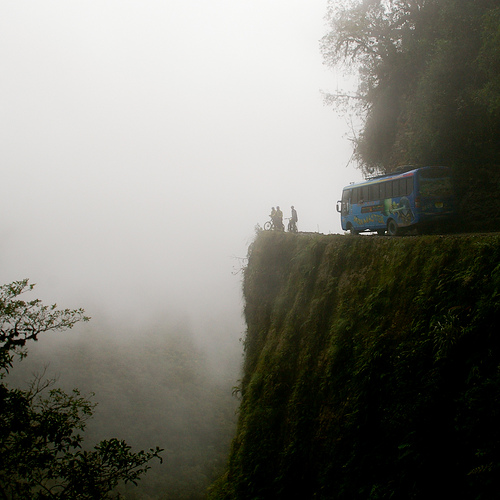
{"x":429,"y":84}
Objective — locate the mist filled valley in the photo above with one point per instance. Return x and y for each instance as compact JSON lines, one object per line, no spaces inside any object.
{"x":155,"y":386}
{"x":141,"y":144}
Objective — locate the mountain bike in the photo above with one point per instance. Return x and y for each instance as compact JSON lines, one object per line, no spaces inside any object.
{"x":269,"y":226}
{"x":292,"y":226}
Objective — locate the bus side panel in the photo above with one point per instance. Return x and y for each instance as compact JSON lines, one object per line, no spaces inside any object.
{"x":401,"y":209}
{"x":369,"y":216}
{"x":374,"y":216}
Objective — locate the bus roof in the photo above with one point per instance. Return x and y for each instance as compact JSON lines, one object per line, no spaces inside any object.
{"x":403,"y":171}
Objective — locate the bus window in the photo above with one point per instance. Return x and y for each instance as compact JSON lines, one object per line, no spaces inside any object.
{"x":403,"y":186}
{"x":374,"y":192}
{"x":395,"y":188}
{"x":364,"y":194}
{"x":355,"y":195}
{"x":387,"y":189}
{"x":409,"y":185}
{"x":434,"y":182}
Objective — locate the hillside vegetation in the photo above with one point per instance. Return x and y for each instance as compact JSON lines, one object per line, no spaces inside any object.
{"x":428,"y":81}
{"x":372,"y":369}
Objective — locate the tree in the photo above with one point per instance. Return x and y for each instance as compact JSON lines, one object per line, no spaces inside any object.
{"x":40,"y":428}
{"x":372,"y":35}
{"x":428,"y":86}
{"x":489,"y":63}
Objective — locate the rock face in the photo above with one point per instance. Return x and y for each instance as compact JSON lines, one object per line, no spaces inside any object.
{"x":371,"y":370}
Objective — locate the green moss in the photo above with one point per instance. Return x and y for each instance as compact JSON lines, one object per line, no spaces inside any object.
{"x":372,"y":369}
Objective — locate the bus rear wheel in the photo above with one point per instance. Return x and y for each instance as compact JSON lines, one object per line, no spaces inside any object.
{"x":392,"y":228}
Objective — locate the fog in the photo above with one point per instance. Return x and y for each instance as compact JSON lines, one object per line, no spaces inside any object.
{"x":141,"y":143}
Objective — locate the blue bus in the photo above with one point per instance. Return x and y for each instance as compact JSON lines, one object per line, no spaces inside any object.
{"x":410,"y":198}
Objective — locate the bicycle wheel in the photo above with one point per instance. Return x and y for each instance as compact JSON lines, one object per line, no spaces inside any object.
{"x":268,"y":226}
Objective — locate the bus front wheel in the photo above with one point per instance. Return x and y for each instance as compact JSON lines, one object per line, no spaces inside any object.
{"x":351,"y":229}
{"x":392,"y":228}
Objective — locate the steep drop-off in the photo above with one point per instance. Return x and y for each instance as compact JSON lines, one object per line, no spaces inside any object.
{"x":372,"y":369}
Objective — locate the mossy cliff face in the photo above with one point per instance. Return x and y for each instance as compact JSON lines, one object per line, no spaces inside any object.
{"x":372,"y":369}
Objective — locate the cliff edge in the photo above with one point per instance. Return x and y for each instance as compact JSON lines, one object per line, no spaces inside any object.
{"x":371,"y":369}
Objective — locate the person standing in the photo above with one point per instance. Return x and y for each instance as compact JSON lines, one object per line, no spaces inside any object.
{"x":294,"y":219}
{"x":279,"y":219}
{"x":273,"y":216}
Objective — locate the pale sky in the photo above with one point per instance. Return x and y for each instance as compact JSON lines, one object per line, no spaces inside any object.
{"x":142,"y":141}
